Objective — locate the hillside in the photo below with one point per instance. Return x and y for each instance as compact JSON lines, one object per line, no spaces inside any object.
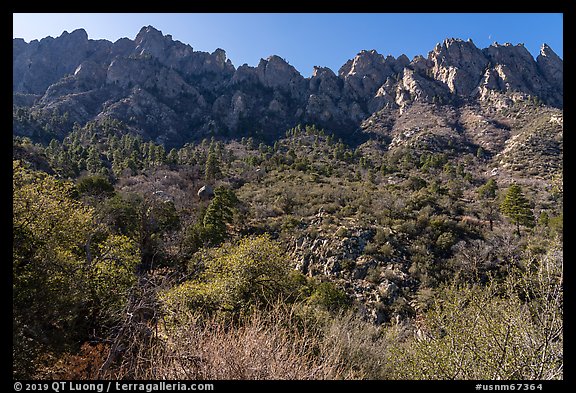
{"x":176,"y":217}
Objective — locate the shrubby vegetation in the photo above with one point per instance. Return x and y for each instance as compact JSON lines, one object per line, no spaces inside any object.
{"x":122,"y":271}
{"x":71,"y":275}
{"x":510,"y":330}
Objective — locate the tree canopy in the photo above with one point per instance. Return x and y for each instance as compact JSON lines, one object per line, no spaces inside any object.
{"x":517,"y":207}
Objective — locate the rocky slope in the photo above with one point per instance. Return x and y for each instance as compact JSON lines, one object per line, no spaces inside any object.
{"x":166,"y":91}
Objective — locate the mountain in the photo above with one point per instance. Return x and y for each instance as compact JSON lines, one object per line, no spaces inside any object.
{"x":170,"y":209}
{"x":167,"y":92}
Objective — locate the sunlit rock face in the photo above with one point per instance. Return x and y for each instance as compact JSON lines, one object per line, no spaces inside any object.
{"x":165,"y":90}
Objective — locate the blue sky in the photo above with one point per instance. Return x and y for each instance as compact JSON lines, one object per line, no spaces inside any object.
{"x":309,"y":39}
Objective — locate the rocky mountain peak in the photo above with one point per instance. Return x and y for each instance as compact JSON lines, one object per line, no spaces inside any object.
{"x":364,"y":62}
{"x":402,"y":60}
{"x":454,"y":49}
{"x":78,"y":34}
{"x":318,"y":72}
{"x":276,"y":72}
{"x":518,"y":71}
{"x":151,"y":41}
{"x":41,"y":63}
{"x":324,"y":81}
{"x":507,"y":53}
{"x":551,"y":67}
{"x":179,"y":86}
{"x":148,"y":32}
{"x":546,"y":51}
{"x":220,"y":55}
{"x":459,"y":64}
{"x":366,"y":73}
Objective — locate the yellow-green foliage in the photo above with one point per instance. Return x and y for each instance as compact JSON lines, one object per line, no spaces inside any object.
{"x":44,"y":211}
{"x":113,"y":270}
{"x":53,"y":233}
{"x":66,"y":269}
{"x":328,"y":296}
{"x":235,"y":275}
{"x":491,"y":332}
{"x":49,"y":228}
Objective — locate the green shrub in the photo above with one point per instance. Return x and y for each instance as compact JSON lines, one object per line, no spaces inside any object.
{"x":95,"y":185}
{"x":328,"y":296}
{"x":341,"y":232}
{"x":510,"y":330}
{"x":69,"y":275}
{"x":235,"y":276}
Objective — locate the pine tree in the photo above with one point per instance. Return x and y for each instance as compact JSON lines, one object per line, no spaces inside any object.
{"x":517,"y":208}
{"x":488,"y":190}
{"x":93,"y":162}
{"x":488,"y":194}
{"x":219,"y":213}
{"x":212,"y":169}
{"x":172,"y":157}
{"x":480,"y":153}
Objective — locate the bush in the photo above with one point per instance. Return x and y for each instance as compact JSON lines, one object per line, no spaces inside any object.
{"x":234,"y":277}
{"x":95,"y":185}
{"x":69,"y":275}
{"x":341,"y":232}
{"x":328,"y":296}
{"x":283,"y":342}
{"x":510,"y":330}
{"x":386,"y":250}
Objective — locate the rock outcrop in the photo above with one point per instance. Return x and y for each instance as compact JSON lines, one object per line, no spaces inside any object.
{"x":459,"y":64}
{"x":371,"y":282}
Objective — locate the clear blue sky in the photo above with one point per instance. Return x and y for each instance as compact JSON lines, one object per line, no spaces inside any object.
{"x":306,"y":40}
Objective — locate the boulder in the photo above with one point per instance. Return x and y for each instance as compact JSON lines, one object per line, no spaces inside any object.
{"x":205,"y":192}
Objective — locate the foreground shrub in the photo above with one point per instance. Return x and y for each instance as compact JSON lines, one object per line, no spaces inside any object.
{"x":233,"y":277}
{"x":510,"y":330}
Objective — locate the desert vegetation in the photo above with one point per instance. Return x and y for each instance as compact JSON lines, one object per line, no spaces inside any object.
{"x":311,"y":259}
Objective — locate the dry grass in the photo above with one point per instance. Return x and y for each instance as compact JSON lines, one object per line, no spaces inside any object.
{"x":256,"y":349}
{"x":282,"y":343}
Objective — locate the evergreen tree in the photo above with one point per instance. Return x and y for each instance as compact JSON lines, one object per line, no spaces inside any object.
{"x":219,"y":213}
{"x":212,"y":168}
{"x":160,"y":154}
{"x":93,"y":162}
{"x":172,"y":157}
{"x":480,"y":153}
{"x":517,"y":208}
{"x":488,"y":190}
{"x":487,"y":194}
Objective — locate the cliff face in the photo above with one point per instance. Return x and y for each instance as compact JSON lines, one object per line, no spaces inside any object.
{"x":168,"y":92}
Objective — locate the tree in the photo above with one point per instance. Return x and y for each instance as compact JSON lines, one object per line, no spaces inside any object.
{"x":156,"y":219}
{"x":93,"y":162}
{"x":95,"y":185}
{"x":235,"y":276}
{"x":212,"y":168}
{"x":172,"y":157}
{"x":219,"y":213}
{"x":488,"y":193}
{"x":329,"y":296}
{"x":517,"y":208}
{"x":480,"y":153}
{"x":502,"y":330}
{"x":69,"y":273}
{"x":488,"y":190}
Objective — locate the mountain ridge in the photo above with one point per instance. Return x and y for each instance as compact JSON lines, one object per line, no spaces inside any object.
{"x":166,"y":91}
